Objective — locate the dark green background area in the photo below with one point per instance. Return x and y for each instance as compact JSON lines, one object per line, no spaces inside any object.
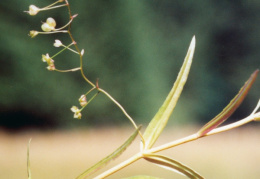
{"x":135,"y":48}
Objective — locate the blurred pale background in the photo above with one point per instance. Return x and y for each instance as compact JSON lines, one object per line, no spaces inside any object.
{"x":135,"y":48}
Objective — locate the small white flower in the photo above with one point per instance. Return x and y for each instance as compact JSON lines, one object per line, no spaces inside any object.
{"x":46,"y":58}
{"x":46,"y":27}
{"x":49,"y":25}
{"x":33,"y":10}
{"x":57,"y":43}
{"x":83,"y":100}
{"x":51,"y":67}
{"x":51,"y":22}
{"x":76,"y":111}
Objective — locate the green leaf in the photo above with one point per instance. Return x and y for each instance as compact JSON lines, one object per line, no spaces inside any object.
{"x":28,"y":161}
{"x":142,"y":177}
{"x":230,"y":108}
{"x":172,"y":165}
{"x":160,"y":120}
{"x":110,"y":157}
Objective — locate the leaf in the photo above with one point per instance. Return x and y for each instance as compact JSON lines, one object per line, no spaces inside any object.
{"x":160,"y":120}
{"x":142,"y":177}
{"x":28,"y":161}
{"x":230,"y":108}
{"x":113,"y":155}
{"x":172,"y":165}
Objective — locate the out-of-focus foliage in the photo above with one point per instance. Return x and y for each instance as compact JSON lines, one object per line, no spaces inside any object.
{"x":135,"y":48}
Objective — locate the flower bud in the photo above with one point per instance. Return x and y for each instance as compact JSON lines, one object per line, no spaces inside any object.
{"x":82,"y":52}
{"x":33,"y":10}
{"x":46,"y":27}
{"x":51,"y":22}
{"x":49,"y":25}
{"x":33,"y":33}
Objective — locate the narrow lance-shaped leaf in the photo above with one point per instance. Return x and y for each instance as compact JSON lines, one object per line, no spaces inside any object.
{"x":160,"y":120}
{"x":172,"y":165}
{"x":142,"y":177}
{"x":110,"y":157}
{"x":28,"y":161}
{"x":230,"y":108}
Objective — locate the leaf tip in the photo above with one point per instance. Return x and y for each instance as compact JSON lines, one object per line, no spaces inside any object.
{"x":193,"y":43}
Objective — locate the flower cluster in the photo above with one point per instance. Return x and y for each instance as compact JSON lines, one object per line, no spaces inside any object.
{"x":49,"y":27}
{"x":46,"y":58}
{"x":83,"y":102}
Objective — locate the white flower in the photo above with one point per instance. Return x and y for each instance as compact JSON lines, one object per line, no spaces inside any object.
{"x":57,"y":43}
{"x":33,"y":10}
{"x":83,"y":100}
{"x":51,"y":67}
{"x":49,"y":25}
{"x":46,"y":58}
{"x":76,"y":111}
{"x":51,"y":22}
{"x":46,"y":27}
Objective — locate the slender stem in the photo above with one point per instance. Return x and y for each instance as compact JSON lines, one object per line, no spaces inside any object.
{"x":90,"y":100}
{"x":71,"y":49}
{"x":233,"y":125}
{"x":70,"y":70}
{"x":92,"y":84}
{"x":90,"y":91}
{"x":120,"y":166}
{"x":65,"y":47}
{"x":196,"y":136}
{"x":173,"y":143}
{"x":121,"y":107}
{"x":53,"y":32}
{"x":65,"y":24}
{"x":49,"y":7}
{"x":256,"y":108}
{"x":123,"y":110}
{"x":77,"y":49}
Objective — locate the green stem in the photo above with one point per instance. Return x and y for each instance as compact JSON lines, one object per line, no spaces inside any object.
{"x":71,"y":49}
{"x":92,"y":84}
{"x":120,"y":166}
{"x":65,"y":47}
{"x":90,"y":100}
{"x":123,"y":110}
{"x":90,"y":91}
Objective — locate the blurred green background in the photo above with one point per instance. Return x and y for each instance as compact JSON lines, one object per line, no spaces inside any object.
{"x":135,"y":48}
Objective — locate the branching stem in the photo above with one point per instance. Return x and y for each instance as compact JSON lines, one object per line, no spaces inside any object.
{"x":92,"y":84}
